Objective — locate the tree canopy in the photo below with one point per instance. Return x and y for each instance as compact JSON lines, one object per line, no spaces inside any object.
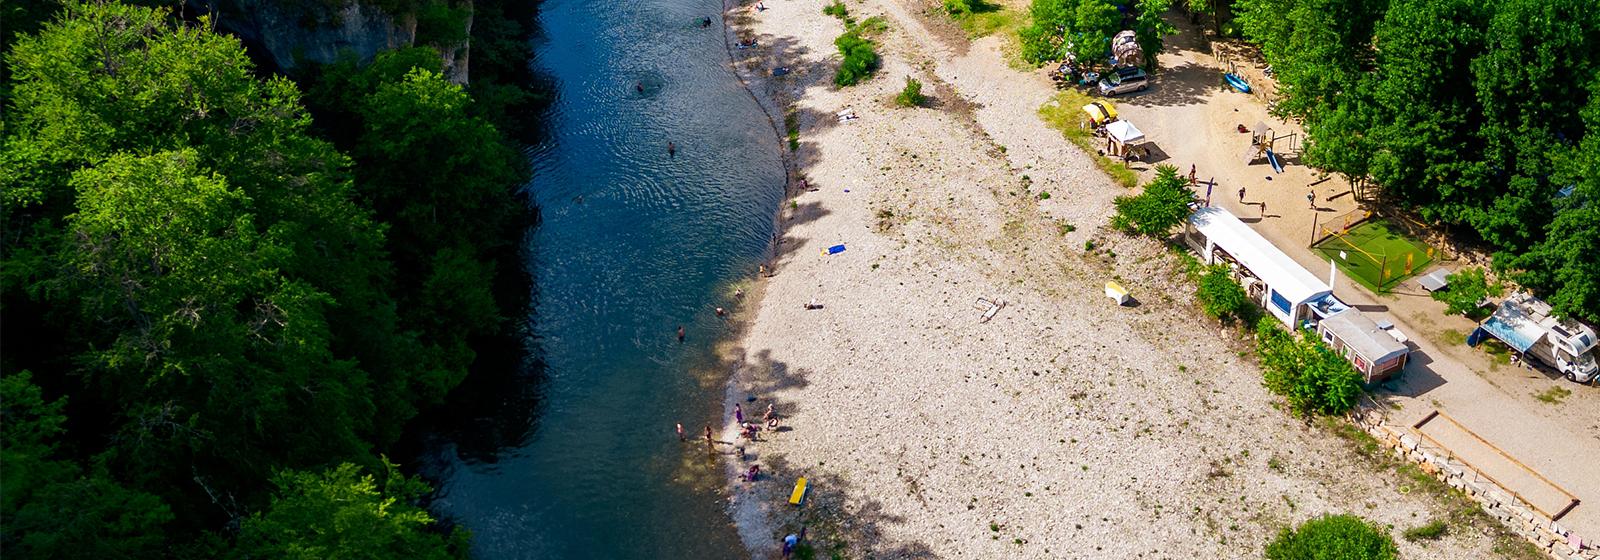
{"x":220,"y":298}
{"x":1477,"y":116}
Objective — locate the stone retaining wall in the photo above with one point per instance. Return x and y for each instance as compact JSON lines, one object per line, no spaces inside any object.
{"x":1514,"y":513}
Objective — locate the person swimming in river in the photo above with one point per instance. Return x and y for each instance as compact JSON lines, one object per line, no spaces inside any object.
{"x":705,"y":22}
{"x":680,"y":333}
{"x":638,"y":86}
{"x":672,"y":149}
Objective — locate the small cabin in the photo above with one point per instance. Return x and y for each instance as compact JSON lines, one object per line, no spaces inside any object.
{"x":1372,"y":350}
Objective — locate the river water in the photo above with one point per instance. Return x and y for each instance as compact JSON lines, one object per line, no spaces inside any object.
{"x":634,"y":242}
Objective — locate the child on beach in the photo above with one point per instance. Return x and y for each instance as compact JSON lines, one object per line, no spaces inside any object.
{"x":738,"y":413}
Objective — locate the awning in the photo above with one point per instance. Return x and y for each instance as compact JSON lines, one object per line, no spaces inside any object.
{"x":1513,"y":326}
{"x":1124,"y":132}
{"x":1100,"y":113}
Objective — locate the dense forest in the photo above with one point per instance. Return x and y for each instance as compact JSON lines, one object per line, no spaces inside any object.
{"x":1482,"y":117}
{"x":227,"y":288}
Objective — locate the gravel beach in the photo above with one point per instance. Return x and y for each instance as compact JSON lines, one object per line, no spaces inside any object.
{"x":1063,"y":427}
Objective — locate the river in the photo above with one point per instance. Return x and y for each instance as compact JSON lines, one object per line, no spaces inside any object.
{"x":579,"y":461}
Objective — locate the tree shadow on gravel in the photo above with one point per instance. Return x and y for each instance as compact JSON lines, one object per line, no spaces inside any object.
{"x":840,"y":517}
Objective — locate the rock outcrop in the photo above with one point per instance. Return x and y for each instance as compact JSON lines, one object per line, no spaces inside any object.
{"x":289,"y":34}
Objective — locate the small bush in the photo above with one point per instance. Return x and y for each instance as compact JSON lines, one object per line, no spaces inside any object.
{"x":1221,"y":297}
{"x":958,"y":7}
{"x":837,"y":9}
{"x":1333,"y":537}
{"x":1467,"y":287}
{"x":1044,"y":196}
{"x":911,"y":95}
{"x":1313,"y":378}
{"x":1432,"y":531}
{"x":1163,"y":205}
{"x":860,"y":59}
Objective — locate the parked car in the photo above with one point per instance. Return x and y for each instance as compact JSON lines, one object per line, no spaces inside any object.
{"x":1124,"y":80}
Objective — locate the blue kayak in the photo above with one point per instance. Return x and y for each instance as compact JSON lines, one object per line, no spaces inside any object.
{"x":1237,"y":82}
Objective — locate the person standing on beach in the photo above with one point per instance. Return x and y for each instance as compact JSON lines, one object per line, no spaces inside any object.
{"x":710,"y":443}
{"x":1192,"y":179}
{"x":680,"y":432}
{"x":771,"y":417}
{"x":1311,"y":197}
{"x":1241,"y":195}
{"x":738,"y":413}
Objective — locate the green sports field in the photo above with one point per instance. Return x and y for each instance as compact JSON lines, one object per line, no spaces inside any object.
{"x":1375,"y":254}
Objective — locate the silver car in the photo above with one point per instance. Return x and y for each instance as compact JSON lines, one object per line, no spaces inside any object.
{"x":1124,"y":80}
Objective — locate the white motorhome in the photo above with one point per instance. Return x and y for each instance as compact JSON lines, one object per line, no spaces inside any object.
{"x":1525,"y":324}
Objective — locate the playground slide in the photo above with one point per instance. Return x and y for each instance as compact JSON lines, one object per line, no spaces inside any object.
{"x":1272,"y":158}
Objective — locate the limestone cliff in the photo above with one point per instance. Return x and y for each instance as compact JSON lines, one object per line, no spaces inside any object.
{"x":289,"y":34}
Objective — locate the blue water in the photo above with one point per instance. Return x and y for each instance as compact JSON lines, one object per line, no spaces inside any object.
{"x":633,"y":243}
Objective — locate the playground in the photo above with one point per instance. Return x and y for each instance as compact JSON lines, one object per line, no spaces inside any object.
{"x":1372,"y":251}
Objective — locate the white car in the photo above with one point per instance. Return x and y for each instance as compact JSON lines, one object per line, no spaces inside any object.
{"x":1124,"y":80}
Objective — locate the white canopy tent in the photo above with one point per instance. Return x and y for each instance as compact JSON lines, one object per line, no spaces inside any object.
{"x":1124,"y":132}
{"x":1290,"y":292}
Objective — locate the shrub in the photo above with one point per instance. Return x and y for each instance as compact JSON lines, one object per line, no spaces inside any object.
{"x":837,"y":9}
{"x":860,"y":59}
{"x":958,"y":8}
{"x":1154,"y":212}
{"x":1333,"y":537}
{"x":1467,"y":287}
{"x":1432,"y":531}
{"x":911,"y":96}
{"x":1313,"y":378}
{"x":1220,"y":295}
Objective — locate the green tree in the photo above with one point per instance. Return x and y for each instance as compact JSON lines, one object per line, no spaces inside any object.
{"x":1220,"y":295}
{"x":1314,"y":379}
{"x":860,"y":58}
{"x":48,"y":509}
{"x":1093,"y":24}
{"x":911,"y":95}
{"x":1151,"y":28}
{"x":1333,"y":537}
{"x":1468,"y":286}
{"x":212,"y":342}
{"x":1163,"y":205}
{"x":342,"y":513}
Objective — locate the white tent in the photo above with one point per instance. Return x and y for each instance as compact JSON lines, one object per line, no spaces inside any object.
{"x":1290,"y":289}
{"x":1123,"y":132}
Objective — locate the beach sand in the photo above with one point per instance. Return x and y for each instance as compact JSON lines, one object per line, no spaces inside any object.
{"x":1066,"y":426}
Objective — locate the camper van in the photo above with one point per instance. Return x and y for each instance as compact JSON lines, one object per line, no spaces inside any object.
{"x":1525,"y":324}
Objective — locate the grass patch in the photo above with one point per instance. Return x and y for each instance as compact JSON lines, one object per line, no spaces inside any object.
{"x":979,"y":18}
{"x":1554,"y":395}
{"x":1064,"y":113}
{"x":791,"y":125}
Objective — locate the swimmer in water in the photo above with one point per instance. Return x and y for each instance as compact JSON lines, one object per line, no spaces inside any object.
{"x":672,"y":149}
